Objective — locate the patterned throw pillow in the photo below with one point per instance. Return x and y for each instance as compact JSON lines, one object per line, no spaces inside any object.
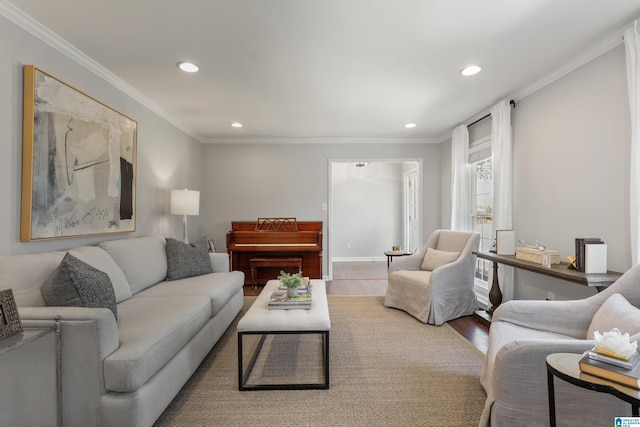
{"x":74,"y":283}
{"x":185,"y":260}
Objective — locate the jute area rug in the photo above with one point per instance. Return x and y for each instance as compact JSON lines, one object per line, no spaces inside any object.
{"x":387,"y":369}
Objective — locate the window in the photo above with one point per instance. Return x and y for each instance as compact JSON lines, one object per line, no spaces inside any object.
{"x":480,"y":159}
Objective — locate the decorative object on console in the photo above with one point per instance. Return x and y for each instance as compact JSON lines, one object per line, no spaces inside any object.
{"x":537,"y":245}
{"x":505,"y":242}
{"x":595,"y":258}
{"x":78,"y":163}
{"x":185,"y":202}
{"x":10,"y":323}
{"x":581,"y":242}
{"x":535,"y":255}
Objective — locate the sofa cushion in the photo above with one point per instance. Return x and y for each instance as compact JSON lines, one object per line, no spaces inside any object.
{"x":77,"y":284}
{"x":435,"y":258}
{"x":219,"y":287}
{"x":152,"y":331}
{"x":616,"y":312}
{"x":142,"y":259}
{"x":187,"y":260}
{"x":100,"y":259}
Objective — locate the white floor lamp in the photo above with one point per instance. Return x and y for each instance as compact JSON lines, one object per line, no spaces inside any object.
{"x":185,"y":202}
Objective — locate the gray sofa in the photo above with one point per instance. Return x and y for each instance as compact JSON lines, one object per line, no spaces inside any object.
{"x":125,"y":371}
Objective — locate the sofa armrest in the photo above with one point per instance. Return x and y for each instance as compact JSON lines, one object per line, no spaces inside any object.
{"x":219,"y":262}
{"x":570,"y":318}
{"x":88,"y":336}
{"x":517,"y":377}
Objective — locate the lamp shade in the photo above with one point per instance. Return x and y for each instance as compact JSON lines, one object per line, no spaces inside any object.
{"x":185,"y":202}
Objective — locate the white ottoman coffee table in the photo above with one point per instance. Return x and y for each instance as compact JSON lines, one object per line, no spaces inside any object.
{"x":259,"y":320}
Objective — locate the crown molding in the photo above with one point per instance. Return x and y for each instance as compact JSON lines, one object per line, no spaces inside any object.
{"x":598,"y":49}
{"x":32,"y":26}
{"x":320,"y":140}
{"x":610,"y":42}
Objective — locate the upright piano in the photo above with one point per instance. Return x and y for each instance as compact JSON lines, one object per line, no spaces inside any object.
{"x":275,"y":238}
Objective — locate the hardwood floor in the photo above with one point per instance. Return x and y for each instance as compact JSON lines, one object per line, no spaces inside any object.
{"x":370,"y":278}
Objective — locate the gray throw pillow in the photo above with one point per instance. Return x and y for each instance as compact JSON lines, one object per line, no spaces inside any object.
{"x":185,"y":260}
{"x":74,"y":283}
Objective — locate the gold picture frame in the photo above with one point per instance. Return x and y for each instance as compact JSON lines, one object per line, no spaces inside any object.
{"x":78,"y":163}
{"x":10,"y":323}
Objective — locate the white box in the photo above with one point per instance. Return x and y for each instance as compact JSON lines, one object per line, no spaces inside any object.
{"x":595,"y":258}
{"x":505,"y":242}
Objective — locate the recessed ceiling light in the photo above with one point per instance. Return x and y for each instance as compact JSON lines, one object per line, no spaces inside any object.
{"x":410,"y":125}
{"x":188,"y":67}
{"x":236,"y":125}
{"x":470,"y":70}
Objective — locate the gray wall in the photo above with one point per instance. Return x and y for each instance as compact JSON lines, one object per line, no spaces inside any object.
{"x":365,"y":199}
{"x":167,"y":157}
{"x":571,"y":167}
{"x":247,"y":181}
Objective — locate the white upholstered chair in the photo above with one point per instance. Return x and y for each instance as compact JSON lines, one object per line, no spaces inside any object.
{"x":524,"y":332}
{"x":436,"y":283}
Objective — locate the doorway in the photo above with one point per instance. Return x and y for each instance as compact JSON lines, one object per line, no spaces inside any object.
{"x":371,"y":208}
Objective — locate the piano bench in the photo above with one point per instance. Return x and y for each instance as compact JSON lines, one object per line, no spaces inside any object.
{"x":255,"y":263}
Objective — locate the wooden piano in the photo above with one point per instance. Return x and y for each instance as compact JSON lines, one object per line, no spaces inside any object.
{"x":276,"y":238}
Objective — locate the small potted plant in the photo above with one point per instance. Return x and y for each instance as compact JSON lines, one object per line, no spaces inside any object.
{"x":291,"y":282}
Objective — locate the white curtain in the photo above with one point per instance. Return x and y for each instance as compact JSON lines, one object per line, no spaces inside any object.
{"x":502,"y":159}
{"x":632,"y":49}
{"x":460,"y":180}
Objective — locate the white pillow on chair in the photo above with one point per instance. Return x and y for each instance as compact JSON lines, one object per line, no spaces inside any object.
{"x":435,"y":258}
{"x":616,"y":312}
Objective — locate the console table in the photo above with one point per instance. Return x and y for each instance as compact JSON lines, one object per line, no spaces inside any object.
{"x":558,"y":271}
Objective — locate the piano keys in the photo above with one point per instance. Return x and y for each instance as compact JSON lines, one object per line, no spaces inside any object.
{"x":275,"y":238}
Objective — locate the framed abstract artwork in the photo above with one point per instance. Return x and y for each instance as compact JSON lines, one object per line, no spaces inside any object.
{"x":78,"y":163}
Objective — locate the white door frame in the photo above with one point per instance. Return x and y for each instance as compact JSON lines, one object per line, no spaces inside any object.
{"x":330,"y":163}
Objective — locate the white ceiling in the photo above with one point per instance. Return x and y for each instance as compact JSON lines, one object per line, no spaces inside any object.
{"x":331,"y":68}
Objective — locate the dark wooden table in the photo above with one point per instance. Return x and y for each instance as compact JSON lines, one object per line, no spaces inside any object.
{"x":391,"y":254}
{"x":565,"y":366}
{"x":558,"y":271}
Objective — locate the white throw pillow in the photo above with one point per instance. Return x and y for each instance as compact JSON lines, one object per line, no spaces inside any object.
{"x":616,"y":312}
{"x":435,"y":258}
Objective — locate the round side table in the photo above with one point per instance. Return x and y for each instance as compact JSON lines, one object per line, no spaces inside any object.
{"x":565,"y":366}
{"x":391,"y":254}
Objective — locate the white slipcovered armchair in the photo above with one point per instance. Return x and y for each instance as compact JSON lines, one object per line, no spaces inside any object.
{"x":436,"y":283}
{"x":521,"y":336}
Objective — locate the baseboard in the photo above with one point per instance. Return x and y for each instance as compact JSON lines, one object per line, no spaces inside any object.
{"x":359,"y":259}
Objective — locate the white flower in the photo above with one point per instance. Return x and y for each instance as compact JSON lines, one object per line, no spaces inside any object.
{"x":615,"y":342}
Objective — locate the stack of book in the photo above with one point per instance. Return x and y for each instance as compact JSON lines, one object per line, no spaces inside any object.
{"x":280,"y":301}
{"x":583,"y":244}
{"x":625,"y":371}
